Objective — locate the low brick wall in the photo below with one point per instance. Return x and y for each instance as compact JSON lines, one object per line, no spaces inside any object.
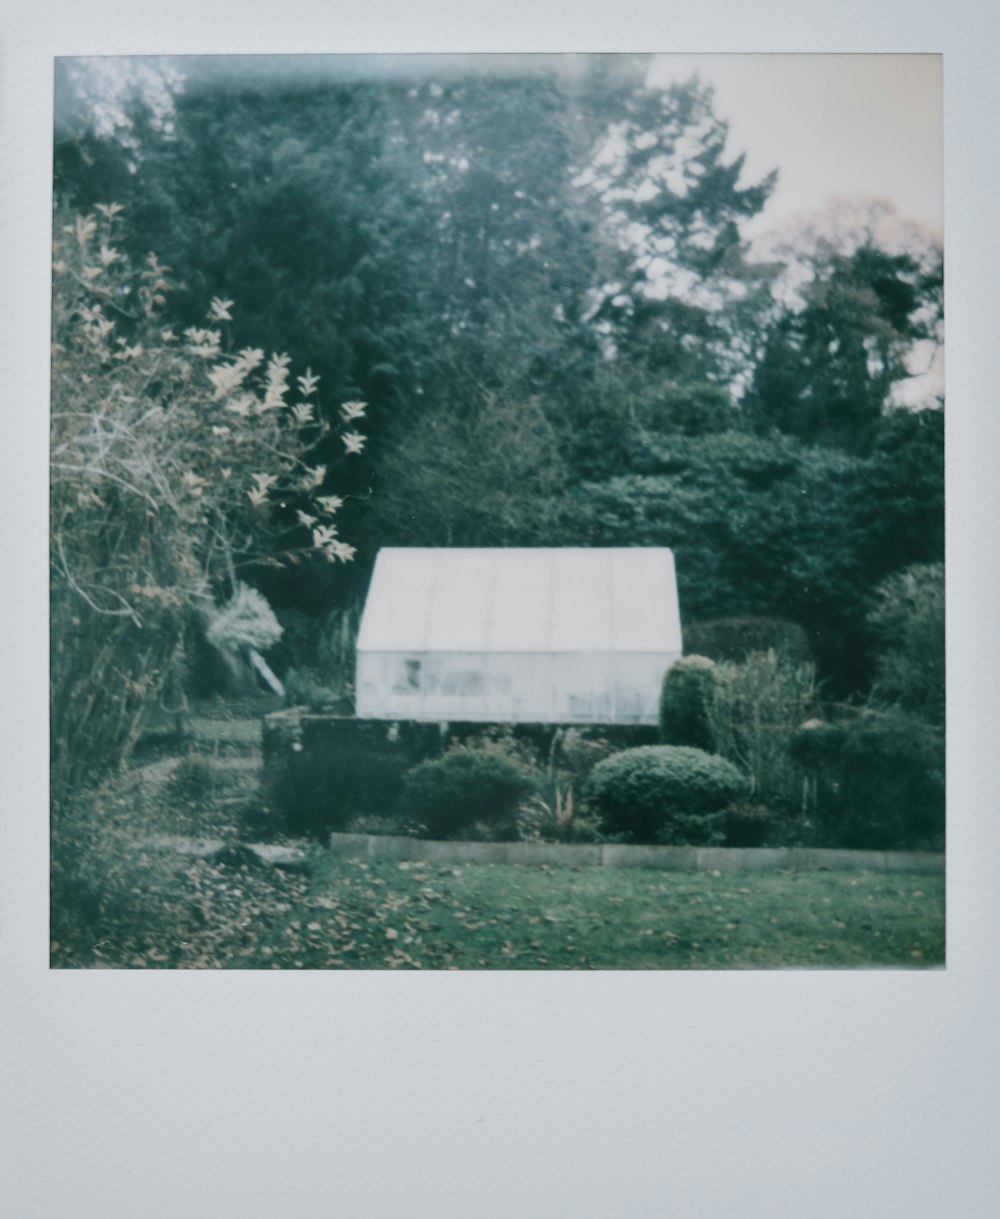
{"x":319,"y":770}
{"x":617,"y":855}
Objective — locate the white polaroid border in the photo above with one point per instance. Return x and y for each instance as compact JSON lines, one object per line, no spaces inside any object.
{"x":760,"y":1095}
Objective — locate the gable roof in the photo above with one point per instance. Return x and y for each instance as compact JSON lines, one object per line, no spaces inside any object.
{"x":522,"y":600}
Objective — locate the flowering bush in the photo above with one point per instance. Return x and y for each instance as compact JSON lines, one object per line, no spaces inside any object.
{"x":174,"y":465}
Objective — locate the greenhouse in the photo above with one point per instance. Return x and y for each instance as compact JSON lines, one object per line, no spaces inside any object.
{"x":518,"y":635}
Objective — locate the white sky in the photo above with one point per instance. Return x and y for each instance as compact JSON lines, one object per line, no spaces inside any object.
{"x":833,"y":125}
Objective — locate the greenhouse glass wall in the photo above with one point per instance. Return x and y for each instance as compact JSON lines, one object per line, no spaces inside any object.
{"x":518,"y":636}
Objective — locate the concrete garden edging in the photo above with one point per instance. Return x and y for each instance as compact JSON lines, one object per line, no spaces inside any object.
{"x":376,"y":848}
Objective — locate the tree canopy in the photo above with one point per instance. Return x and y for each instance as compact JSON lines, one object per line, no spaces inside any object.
{"x":537,"y":279}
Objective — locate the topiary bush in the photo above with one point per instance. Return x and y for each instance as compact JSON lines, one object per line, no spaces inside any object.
{"x":666,"y":793}
{"x":469,"y":786}
{"x":685,"y":702}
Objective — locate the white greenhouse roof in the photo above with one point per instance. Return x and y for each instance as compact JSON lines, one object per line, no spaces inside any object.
{"x":522,"y":600}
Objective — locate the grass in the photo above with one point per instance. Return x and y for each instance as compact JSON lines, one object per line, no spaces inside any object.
{"x":411,"y":915}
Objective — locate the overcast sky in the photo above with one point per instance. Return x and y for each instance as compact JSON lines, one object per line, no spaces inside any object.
{"x":833,"y":125}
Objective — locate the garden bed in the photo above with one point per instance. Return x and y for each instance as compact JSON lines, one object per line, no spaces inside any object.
{"x":320,"y":769}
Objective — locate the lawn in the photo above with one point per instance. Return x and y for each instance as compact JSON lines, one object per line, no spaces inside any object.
{"x":376,"y":916}
{"x":166,"y":911}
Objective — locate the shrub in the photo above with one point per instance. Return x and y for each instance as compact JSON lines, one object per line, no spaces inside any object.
{"x":318,"y":791}
{"x":685,"y":702}
{"x":758,"y":706}
{"x":500,"y":739}
{"x":888,"y":785}
{"x":908,"y":623}
{"x":816,"y":746}
{"x":466,"y":786}
{"x":171,"y":463}
{"x":704,"y":830}
{"x":578,"y":754}
{"x":666,"y":793}
{"x":747,"y":824}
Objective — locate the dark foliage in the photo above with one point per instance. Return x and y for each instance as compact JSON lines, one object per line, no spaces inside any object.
{"x":734,"y":639}
{"x":685,"y":701}
{"x":467,"y":785}
{"x":827,"y":369}
{"x":665,"y":793}
{"x":880,"y":781}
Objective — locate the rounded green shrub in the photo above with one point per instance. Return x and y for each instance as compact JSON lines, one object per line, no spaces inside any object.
{"x":666,"y":793}
{"x":467,"y":786}
{"x":685,"y":702}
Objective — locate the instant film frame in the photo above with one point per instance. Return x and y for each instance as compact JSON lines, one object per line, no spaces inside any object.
{"x":767,"y":1094}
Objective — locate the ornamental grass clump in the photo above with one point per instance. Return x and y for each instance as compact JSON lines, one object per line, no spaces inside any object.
{"x":666,"y":793}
